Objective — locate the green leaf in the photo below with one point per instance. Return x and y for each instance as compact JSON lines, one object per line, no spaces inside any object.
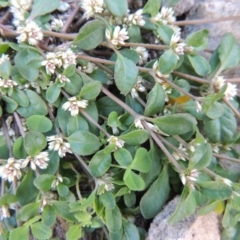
{"x":62,"y":208}
{"x":74,"y":86}
{"x":52,"y":93}
{"x":141,"y":161}
{"x":90,"y":90}
{"x":215,"y":111}
{"x":28,"y":211}
{"x":106,"y":105}
{"x":11,"y":105}
{"x":34,"y":142}
{"x":221,"y":130}
{"x":153,"y":200}
{"x":42,"y":7}
{"x":21,"y":60}
{"x":167,"y":62}
{"x":202,"y":157}
{"x":90,"y":35}
{"x":133,"y":181}
{"x":215,"y":190}
{"x":32,"y":220}
{"x":70,"y":70}
{"x":134,"y":34}
{"x":36,"y":105}
{"x":43,"y":182}
{"x":130,"y":199}
{"x":130,"y":231}
{"x":113,"y":219}
{"x":83,"y":143}
{"x":108,"y":200}
{"x":176,"y":124}
{"x":125,"y":74}
{"x":200,"y":65}
{"x":62,"y":190}
{"x":39,"y":123}
{"x":127,"y":53}
{"x":152,"y":7}
{"x":19,"y":233}
{"x":27,"y":183}
{"x":20,"y":97}
{"x":100,"y":163}
{"x":7,"y":199}
{"x":198,"y":40}
{"x":123,"y":157}
{"x":5,"y":69}
{"x":116,"y":7}
{"x":40,"y":231}
{"x":74,"y":232}
{"x":76,"y":123}
{"x":155,"y":100}
{"x":48,"y":216}
{"x":135,"y":137}
{"x":208,"y":208}
{"x":165,"y":33}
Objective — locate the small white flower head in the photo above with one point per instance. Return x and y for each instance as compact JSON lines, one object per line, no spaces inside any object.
{"x":57,"y":180}
{"x":56,"y":143}
{"x":73,"y":105}
{"x":89,"y":68}
{"x":189,"y":178}
{"x":156,"y":129}
{"x":138,"y":123}
{"x":136,"y":18}
{"x":158,"y":73}
{"x":40,"y":160}
{"x":198,"y":106}
{"x":91,"y":7}
{"x":7,"y":83}
{"x":56,"y":24}
{"x":67,"y":58}
{"x":179,"y":156}
{"x":4,"y":58}
{"x":51,"y":63}
{"x":4,"y":212}
{"x":138,"y":87}
{"x":118,"y":37}
{"x":118,"y":142}
{"x":22,"y":5}
{"x":165,"y":16}
{"x":225,"y":180}
{"x":176,"y":29}
{"x":231,"y":90}
{"x":31,"y":32}
{"x":11,"y":170}
{"x":143,"y":54}
{"x":105,"y":180}
{"x":62,"y":78}
{"x":178,"y":48}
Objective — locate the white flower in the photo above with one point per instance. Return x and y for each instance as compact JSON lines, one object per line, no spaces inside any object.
{"x":73,"y":105}
{"x":67,"y":58}
{"x":176,"y":29}
{"x":136,"y":18}
{"x":105,"y":180}
{"x":227,"y":181}
{"x":51,"y":63}
{"x":89,"y":68}
{"x":22,"y":5}
{"x":138,"y":87}
{"x":158,"y":73}
{"x":179,"y":156}
{"x":57,"y":180}
{"x":178,"y":48}
{"x":143,"y":54}
{"x":231,"y":90}
{"x":4,"y":58}
{"x":39,"y":160}
{"x":118,"y":142}
{"x":134,"y":93}
{"x":56,"y":143}
{"x":156,"y":129}
{"x":11,"y":170}
{"x":198,"y":106}
{"x":165,"y":16}
{"x":7,"y":83}
{"x":91,"y":7}
{"x":31,"y":33}
{"x":189,"y":178}
{"x":138,"y":123}
{"x":118,"y":37}
{"x":4,"y":212}
{"x":62,"y":78}
{"x":56,"y":24}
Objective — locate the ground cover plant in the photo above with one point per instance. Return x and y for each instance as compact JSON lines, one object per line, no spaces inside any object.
{"x":107,"y":114}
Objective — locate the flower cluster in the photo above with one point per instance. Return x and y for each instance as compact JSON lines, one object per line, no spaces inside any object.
{"x":136,"y":18}
{"x":4,"y":212}
{"x":56,"y":24}
{"x":11,"y":170}
{"x":40,"y":160}
{"x":231,"y":90}
{"x":143,"y":54}
{"x":118,"y":37}
{"x":178,"y":155}
{"x":138,"y":87}
{"x":58,"y":59}
{"x":90,"y":7}
{"x":189,"y":178}
{"x":30,"y":33}
{"x":89,"y":68}
{"x":56,"y":143}
{"x":115,"y":140}
{"x":177,"y":47}
{"x":165,"y":17}
{"x":106,"y":181}
{"x":8,"y":83}
{"x":73,"y":105}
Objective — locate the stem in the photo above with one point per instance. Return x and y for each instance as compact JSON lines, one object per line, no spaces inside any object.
{"x":210,"y":173}
{"x":233,"y":80}
{"x":232,"y":107}
{"x":19,"y":124}
{"x":14,"y":185}
{"x":77,"y":187}
{"x":63,"y":223}
{"x":190,"y":77}
{"x":9,"y":143}
{"x":226,"y":158}
{"x":202,"y":21}
{"x":159,"y":143}
{"x":65,"y":36}
{"x":86,"y":115}
{"x":145,"y":45}
{"x":5,"y":16}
